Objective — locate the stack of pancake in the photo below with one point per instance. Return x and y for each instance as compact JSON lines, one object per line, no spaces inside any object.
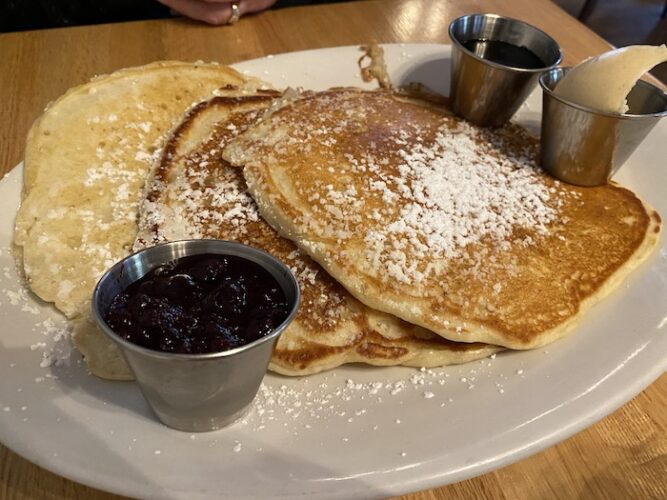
{"x":417,"y":239}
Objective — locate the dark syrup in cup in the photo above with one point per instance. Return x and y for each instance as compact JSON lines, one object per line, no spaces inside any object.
{"x":504,"y":53}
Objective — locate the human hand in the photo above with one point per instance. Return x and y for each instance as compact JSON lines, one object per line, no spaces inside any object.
{"x":215,"y":11}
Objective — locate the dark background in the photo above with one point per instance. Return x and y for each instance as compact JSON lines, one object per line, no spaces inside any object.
{"x":21,"y":15}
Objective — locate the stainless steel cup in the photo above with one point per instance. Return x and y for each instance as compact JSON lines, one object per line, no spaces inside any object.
{"x":487,"y":93}
{"x":195,"y":392}
{"x":586,"y":147}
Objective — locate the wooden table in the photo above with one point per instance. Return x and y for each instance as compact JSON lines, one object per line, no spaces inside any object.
{"x":623,"y":456}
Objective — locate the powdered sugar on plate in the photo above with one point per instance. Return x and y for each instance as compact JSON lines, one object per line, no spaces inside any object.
{"x":54,"y":345}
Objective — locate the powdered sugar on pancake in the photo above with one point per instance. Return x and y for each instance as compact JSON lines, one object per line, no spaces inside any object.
{"x":197,"y":210}
{"x":426,"y":191}
{"x":454,"y":193}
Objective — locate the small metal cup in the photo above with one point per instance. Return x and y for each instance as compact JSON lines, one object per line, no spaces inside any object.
{"x":487,"y":93}
{"x":195,"y":392}
{"x":585,"y":147}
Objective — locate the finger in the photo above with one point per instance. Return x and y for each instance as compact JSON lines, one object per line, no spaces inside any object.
{"x":247,"y":6}
{"x":215,"y":12}
{"x":209,"y":12}
{"x":251,"y":5}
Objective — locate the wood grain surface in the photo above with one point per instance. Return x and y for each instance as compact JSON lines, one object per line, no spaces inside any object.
{"x":622,"y":456}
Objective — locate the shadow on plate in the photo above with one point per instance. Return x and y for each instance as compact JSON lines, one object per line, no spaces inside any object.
{"x":433,"y":73}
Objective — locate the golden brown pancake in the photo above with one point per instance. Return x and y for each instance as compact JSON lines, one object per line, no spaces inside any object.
{"x":441,"y":223}
{"x":196,"y":194}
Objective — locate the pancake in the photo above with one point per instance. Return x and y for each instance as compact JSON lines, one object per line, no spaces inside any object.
{"x":443,"y":224}
{"x":195,"y":194}
{"x":86,"y":162}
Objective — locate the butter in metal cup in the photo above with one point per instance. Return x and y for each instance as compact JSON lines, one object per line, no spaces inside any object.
{"x":586,"y":147}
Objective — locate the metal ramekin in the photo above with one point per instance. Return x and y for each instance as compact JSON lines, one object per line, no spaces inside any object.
{"x":195,"y":392}
{"x":586,"y":147}
{"x":487,"y":93}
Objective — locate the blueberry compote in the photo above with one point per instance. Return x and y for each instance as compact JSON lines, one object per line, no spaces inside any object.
{"x":199,"y":304}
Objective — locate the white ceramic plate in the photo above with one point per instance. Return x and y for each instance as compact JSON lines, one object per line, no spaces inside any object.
{"x":354,"y":432}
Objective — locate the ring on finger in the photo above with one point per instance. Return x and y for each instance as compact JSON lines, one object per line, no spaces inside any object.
{"x":236,"y":13}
